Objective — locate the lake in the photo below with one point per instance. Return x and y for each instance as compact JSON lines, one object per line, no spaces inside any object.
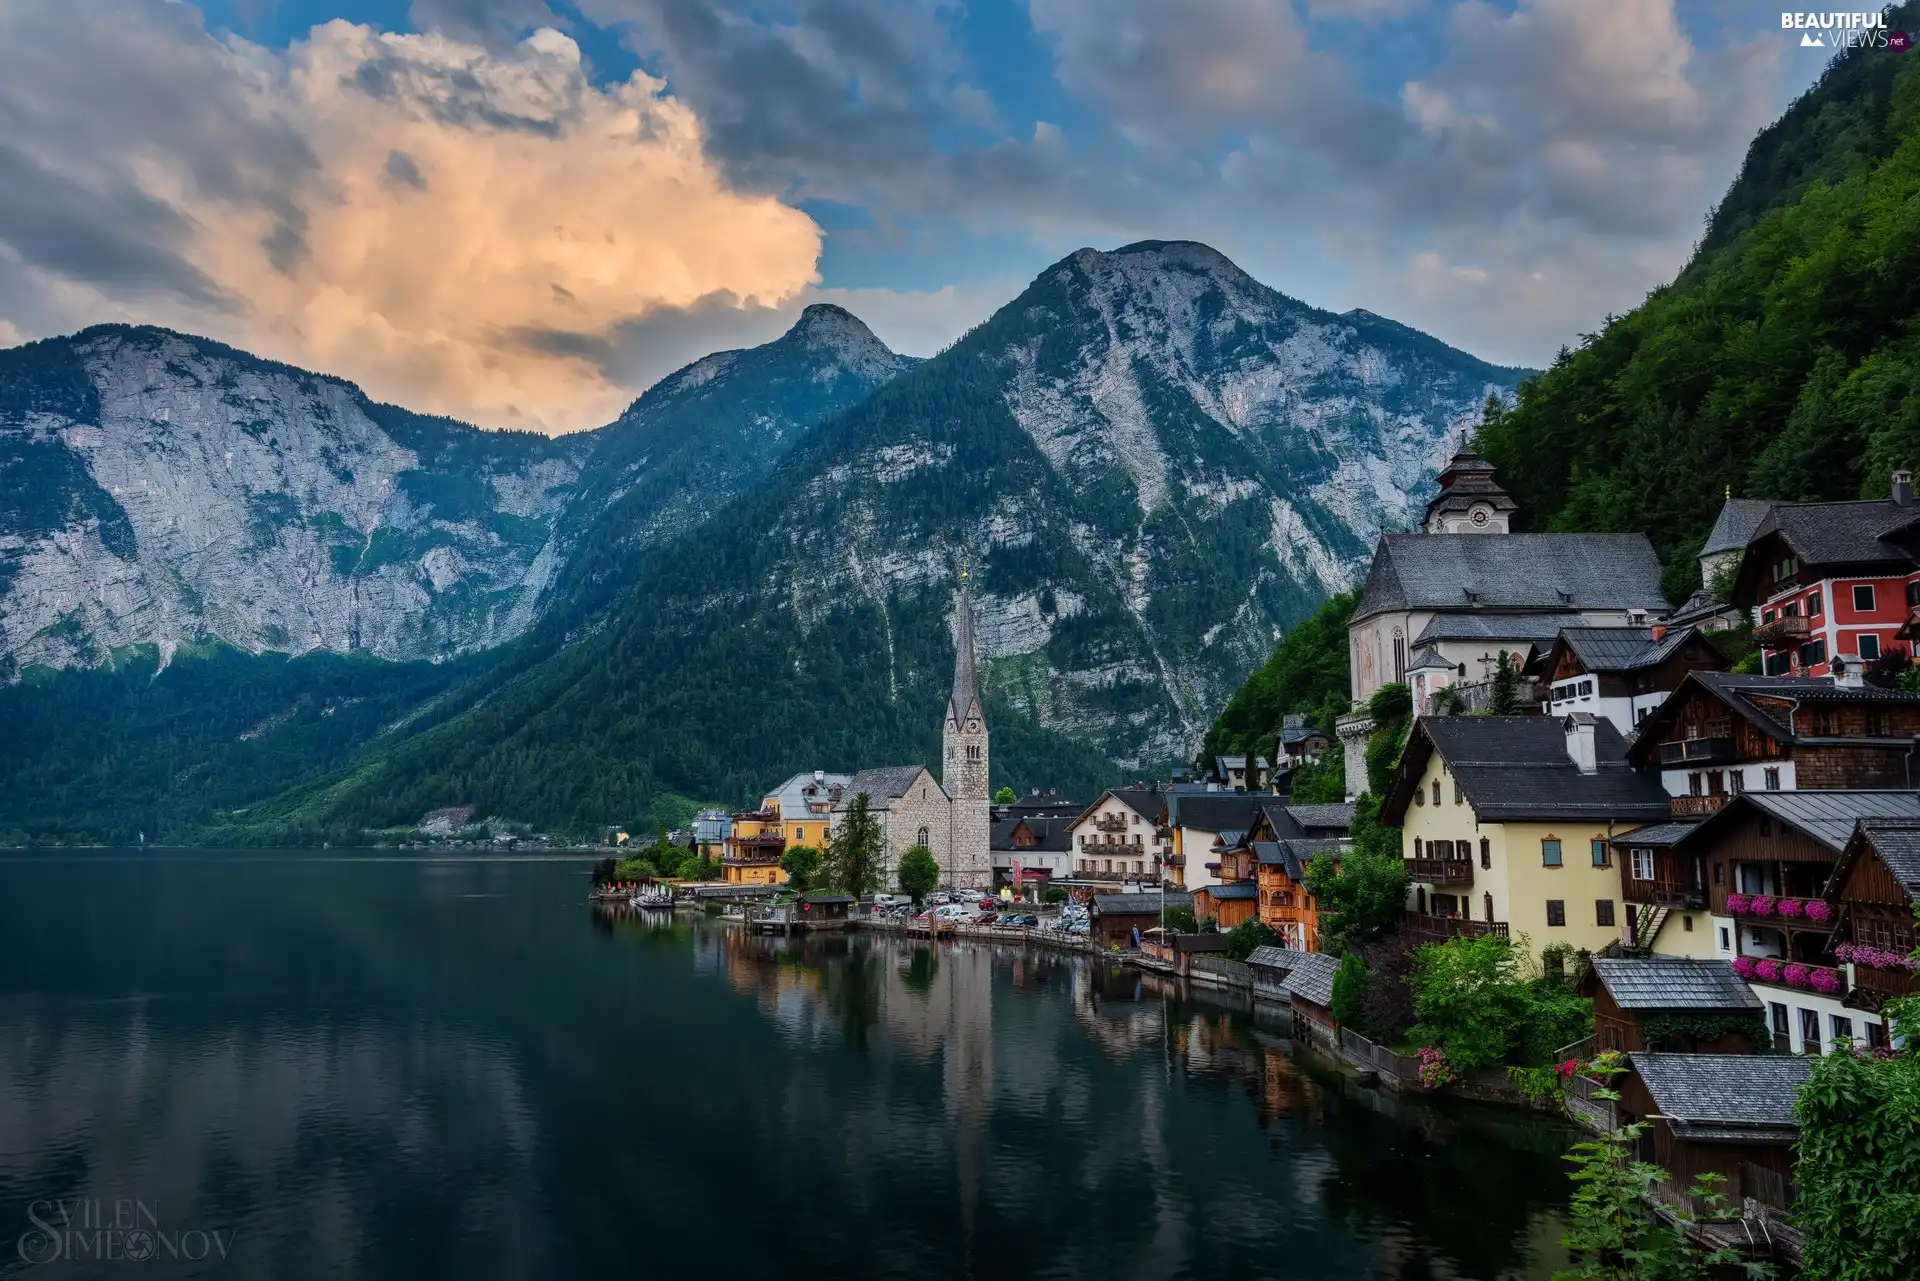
{"x":333,"y":1065}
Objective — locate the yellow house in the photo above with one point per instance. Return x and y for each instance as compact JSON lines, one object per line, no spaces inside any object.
{"x":1506,"y":822}
{"x":804,"y":806}
{"x":754,"y":849}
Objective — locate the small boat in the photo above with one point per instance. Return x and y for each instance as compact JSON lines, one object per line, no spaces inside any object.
{"x":653,"y":896}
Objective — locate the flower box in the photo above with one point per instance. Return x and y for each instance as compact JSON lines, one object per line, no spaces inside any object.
{"x":1876,"y":958}
{"x":1818,"y":909}
{"x":1790,"y":908}
{"x":1824,"y":980}
{"x":1761,"y":905}
{"x":1795,"y":975}
{"x":1767,"y":970}
{"x":1744,"y":966}
{"x":1737,"y":903}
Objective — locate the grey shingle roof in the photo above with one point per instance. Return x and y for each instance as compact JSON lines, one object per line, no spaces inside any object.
{"x":1310,"y":817}
{"x":1656,"y":836}
{"x":1898,"y":846}
{"x":1753,"y":698}
{"x":1516,"y":768}
{"x":883,"y":786}
{"x":1622,"y":649}
{"x":1850,"y":533}
{"x":1734,"y":527}
{"x":1213,"y":811}
{"x":1673,"y":983}
{"x":1725,"y":1096}
{"x":1146,"y":904}
{"x":1052,"y":835}
{"x":1495,"y":627}
{"x":1553,"y":572}
{"x":1308,"y":974}
{"x":1294,"y":855}
{"x":1826,"y":816}
{"x":1233,"y":890}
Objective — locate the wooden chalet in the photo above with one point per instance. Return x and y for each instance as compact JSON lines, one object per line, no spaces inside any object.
{"x":1280,"y":876}
{"x":1673,"y":1003}
{"x":1227,"y":904}
{"x":1876,"y":886}
{"x":1725,"y":1114}
{"x":1720,"y":734}
{"x":1116,"y":917}
{"x":1621,"y":673}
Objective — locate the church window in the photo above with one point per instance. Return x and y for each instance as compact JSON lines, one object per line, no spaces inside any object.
{"x":923,"y":837}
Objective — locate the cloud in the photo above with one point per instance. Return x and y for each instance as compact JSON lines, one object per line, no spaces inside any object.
{"x":460,"y":229}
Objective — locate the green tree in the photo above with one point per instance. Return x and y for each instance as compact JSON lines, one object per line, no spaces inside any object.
{"x":1005,"y":796}
{"x":1503,"y":699}
{"x":1180,"y":920}
{"x":852,"y":862}
{"x":1362,"y":894}
{"x":1470,"y":999}
{"x":802,"y":865}
{"x":1350,"y":991}
{"x":919,"y":873}
{"x":1055,"y":894}
{"x":1321,"y":780}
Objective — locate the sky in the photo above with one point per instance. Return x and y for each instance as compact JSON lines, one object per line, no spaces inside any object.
{"x":523,"y":212}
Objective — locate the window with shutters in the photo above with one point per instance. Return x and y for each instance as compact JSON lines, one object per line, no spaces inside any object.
{"x":1549,"y":851}
{"x":1556,"y":911}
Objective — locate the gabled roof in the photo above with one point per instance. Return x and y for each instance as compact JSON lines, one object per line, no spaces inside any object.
{"x":1230,"y":890}
{"x":1051,"y":836}
{"x":1725,"y":1097}
{"x":1556,"y":573}
{"x":1144,"y":904}
{"x":1306,"y":974}
{"x":1673,"y":983}
{"x":1826,"y":817}
{"x":1144,"y":801}
{"x":1862,"y":532}
{"x":1213,"y":811}
{"x":1621,"y":649}
{"x":1894,"y":841}
{"x":883,"y":786}
{"x":1765,"y":702}
{"x":1321,"y":817}
{"x":1734,"y":527}
{"x":1293,"y":855}
{"x":1516,"y":768}
{"x":1656,"y":836}
{"x":794,"y":794}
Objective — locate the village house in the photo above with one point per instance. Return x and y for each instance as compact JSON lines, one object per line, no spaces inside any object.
{"x":753,"y":849}
{"x":1720,"y":734}
{"x":1031,"y":850}
{"x":1280,"y":876}
{"x":1117,"y":839}
{"x":1766,"y":860}
{"x":1118,"y":919}
{"x":1621,"y":673}
{"x":710,"y":831}
{"x":1227,"y":904}
{"x":1305,"y":981}
{"x":1725,"y":1114}
{"x":1833,"y":580}
{"x":1441,"y":605}
{"x":804,"y":806}
{"x":1298,"y":742}
{"x":1198,"y":825}
{"x":1710,"y":608}
{"x":1875,"y":887}
{"x":1240,"y":773}
{"x":1506,"y":822}
{"x":1672,"y":1003}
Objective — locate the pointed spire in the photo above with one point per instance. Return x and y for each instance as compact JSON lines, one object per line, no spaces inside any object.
{"x":965,"y":698}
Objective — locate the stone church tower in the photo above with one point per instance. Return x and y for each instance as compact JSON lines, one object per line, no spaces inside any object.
{"x":963,"y":773}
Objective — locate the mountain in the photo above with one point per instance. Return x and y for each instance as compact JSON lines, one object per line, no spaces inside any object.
{"x":1784,"y":360}
{"x":166,"y":490}
{"x":1150,"y":463}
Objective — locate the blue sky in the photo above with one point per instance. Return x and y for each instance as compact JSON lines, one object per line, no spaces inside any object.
{"x":470,"y":217}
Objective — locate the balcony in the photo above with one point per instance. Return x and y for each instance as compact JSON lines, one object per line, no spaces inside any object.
{"x":1873,"y":988}
{"x":1696,"y":806}
{"x":1780,"y":972}
{"x":1783,"y":913}
{"x":1781,"y":633}
{"x":1440,"y":871}
{"x":1438,"y":929}
{"x":1174,"y":860}
{"x":1110,"y":823}
{"x":1666,"y":893}
{"x":1117,"y":878}
{"x":1717,"y":750}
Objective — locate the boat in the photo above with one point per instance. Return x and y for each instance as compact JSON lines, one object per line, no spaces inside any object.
{"x":653,"y":896}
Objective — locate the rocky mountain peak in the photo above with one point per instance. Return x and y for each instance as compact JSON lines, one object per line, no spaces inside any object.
{"x":829,"y":328}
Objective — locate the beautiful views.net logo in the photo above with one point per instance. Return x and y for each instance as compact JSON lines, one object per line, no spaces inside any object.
{"x":1844,"y":31}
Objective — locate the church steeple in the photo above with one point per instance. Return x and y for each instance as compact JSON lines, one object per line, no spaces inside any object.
{"x":964,"y":767}
{"x":1470,"y":501}
{"x":964,"y":702}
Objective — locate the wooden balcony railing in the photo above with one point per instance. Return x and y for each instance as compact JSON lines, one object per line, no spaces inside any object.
{"x":1781,"y":632}
{"x":1698,"y":751}
{"x":1440,"y":871}
{"x":1111,"y":823}
{"x":1875,"y":988}
{"x":1666,"y":893}
{"x":1695,"y":806}
{"x":1439,"y":929}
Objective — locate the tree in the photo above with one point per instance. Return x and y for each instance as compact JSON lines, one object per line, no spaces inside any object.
{"x":1249,"y":934}
{"x":1179,"y":920}
{"x":919,"y":873}
{"x":852,"y":863}
{"x":1362,"y":894}
{"x":1005,"y":796}
{"x":801,"y":864}
{"x":1470,"y":999}
{"x":1504,"y":698}
{"x":1350,"y":991}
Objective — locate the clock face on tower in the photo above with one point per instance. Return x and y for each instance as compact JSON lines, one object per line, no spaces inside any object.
{"x":1479,"y":516}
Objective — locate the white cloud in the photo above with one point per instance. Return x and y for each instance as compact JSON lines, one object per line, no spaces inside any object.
{"x":457,"y":229}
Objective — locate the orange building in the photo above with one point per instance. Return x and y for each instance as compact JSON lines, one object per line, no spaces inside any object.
{"x":754,"y":849}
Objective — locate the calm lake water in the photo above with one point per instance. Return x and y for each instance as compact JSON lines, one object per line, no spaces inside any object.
{"x":344,"y":1066}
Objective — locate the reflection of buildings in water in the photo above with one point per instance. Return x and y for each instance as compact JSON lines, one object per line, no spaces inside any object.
{"x":1114,"y":1008}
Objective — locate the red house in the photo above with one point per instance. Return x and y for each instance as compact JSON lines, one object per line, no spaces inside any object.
{"x":1833,"y":580}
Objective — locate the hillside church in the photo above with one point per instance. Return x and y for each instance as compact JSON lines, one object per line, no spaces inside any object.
{"x":949,"y":816}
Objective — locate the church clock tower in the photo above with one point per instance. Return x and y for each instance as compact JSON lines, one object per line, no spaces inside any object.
{"x":963,"y":772}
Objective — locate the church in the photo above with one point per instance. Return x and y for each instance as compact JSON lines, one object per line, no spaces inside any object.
{"x":950,"y":816}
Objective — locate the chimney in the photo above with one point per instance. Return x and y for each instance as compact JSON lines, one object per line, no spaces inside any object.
{"x":1848,"y":671}
{"x":1659,"y":631}
{"x":819,"y":777}
{"x":1580,"y":745}
{"x":1903,"y":488}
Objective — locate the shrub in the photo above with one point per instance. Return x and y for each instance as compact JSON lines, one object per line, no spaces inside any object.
{"x":1859,"y":1167}
{"x":1244,"y":937}
{"x":1470,"y":999}
{"x":1350,"y":992}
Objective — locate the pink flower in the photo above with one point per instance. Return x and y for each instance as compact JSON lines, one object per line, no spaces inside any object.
{"x":1767,"y":970}
{"x":1743,"y":966}
{"x":1790,"y":908}
{"x":1824,"y":980}
{"x":1738,"y":903}
{"x":1761,"y":905}
{"x":1818,"y":909}
{"x":1795,"y":975}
